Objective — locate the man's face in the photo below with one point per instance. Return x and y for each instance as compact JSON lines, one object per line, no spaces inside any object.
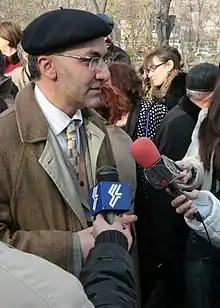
{"x":81,"y":79}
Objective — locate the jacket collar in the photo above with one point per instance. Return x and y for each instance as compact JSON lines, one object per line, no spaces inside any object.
{"x":189,"y":107}
{"x":32,"y":124}
{"x":176,"y":90}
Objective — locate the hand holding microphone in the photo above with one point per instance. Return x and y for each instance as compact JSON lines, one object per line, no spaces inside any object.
{"x":189,"y":203}
{"x":119,"y":224}
{"x":186,"y":174}
{"x":184,"y":203}
{"x":159,"y":171}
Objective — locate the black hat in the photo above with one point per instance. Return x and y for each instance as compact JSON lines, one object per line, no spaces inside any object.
{"x":108,"y":19}
{"x":62,"y":29}
{"x":202,"y":77}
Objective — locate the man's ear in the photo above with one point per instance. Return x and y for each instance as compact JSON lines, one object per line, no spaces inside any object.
{"x":47,"y":67}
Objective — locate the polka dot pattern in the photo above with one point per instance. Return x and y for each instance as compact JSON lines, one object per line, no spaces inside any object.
{"x":156,"y":113}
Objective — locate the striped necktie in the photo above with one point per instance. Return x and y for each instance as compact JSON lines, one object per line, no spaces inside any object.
{"x":72,"y":146}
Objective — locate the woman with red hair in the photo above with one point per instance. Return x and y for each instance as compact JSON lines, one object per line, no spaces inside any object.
{"x":143,"y":117}
{"x":114,"y":106}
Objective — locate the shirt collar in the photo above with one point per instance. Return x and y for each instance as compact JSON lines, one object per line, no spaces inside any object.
{"x":57,"y":119}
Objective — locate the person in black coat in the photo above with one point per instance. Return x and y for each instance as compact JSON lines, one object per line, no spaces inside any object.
{"x":8,"y":89}
{"x":114,"y":53}
{"x":174,"y":135}
{"x":168,"y":231}
{"x":108,"y":275}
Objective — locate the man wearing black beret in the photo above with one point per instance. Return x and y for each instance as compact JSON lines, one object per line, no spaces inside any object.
{"x":114,"y":53}
{"x":51,"y":143}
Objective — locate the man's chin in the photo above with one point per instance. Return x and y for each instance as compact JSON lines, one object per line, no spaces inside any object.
{"x":93,"y":103}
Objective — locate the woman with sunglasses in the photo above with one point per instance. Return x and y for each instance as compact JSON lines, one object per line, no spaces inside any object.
{"x":163,"y":67}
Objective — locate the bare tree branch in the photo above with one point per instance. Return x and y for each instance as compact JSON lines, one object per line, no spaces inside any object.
{"x":96,"y":6}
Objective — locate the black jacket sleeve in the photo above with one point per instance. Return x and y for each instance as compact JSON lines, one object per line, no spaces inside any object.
{"x":108,"y":275}
{"x":174,"y":139}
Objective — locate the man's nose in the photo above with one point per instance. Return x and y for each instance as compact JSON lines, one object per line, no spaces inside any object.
{"x":149,"y":74}
{"x":102,"y":73}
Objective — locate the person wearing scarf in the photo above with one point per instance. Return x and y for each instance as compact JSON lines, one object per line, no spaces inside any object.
{"x":164,"y":69}
{"x":10,"y":35}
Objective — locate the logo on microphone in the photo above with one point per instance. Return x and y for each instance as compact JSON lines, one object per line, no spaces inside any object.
{"x":114,"y":192}
{"x":95,"y":197}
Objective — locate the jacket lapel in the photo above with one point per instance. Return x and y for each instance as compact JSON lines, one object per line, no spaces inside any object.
{"x":95,"y":138}
{"x":56,"y":168}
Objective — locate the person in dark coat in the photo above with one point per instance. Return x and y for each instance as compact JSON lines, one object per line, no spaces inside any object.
{"x":110,"y":267}
{"x":8,"y":89}
{"x":174,"y":135}
{"x":114,"y":53}
{"x":168,"y":231}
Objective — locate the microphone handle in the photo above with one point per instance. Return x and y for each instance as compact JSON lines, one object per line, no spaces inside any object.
{"x":109,"y":217}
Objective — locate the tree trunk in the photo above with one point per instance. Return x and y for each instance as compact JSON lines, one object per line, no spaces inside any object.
{"x":100,"y":8}
{"x":104,"y":6}
{"x":165,"y":22}
{"x":96,"y":6}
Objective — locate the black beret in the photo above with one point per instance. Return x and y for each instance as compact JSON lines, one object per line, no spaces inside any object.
{"x":62,"y":29}
{"x":108,"y":19}
{"x":202,"y":77}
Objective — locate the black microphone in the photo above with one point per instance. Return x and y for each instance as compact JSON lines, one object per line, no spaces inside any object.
{"x":109,"y":197}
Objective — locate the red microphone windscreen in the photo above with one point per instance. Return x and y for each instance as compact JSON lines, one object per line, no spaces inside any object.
{"x":144,"y":151}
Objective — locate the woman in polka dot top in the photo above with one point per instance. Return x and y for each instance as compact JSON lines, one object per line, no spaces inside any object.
{"x":137,"y":116}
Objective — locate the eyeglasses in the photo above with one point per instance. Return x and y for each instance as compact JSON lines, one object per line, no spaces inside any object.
{"x":154,"y":67}
{"x":93,"y":62}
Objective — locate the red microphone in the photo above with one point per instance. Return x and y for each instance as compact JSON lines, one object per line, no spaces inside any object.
{"x":159,"y":170}
{"x":140,"y":147}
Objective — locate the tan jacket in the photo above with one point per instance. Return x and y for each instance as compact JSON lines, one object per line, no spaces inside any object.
{"x":40,"y":207}
{"x":27,"y":281}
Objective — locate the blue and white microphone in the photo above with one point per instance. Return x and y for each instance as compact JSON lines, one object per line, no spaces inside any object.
{"x":109,"y":197}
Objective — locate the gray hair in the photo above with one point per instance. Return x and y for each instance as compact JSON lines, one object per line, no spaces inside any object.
{"x":20,"y":51}
{"x":197,"y":96}
{"x":33,"y":68}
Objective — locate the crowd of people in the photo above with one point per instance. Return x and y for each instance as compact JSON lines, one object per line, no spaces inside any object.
{"x":70,"y":103}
